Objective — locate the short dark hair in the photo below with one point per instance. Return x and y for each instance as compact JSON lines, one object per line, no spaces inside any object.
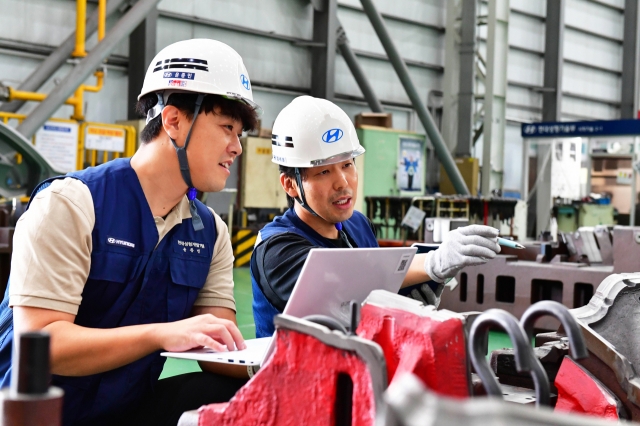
{"x":290,"y":172}
{"x":186,"y":103}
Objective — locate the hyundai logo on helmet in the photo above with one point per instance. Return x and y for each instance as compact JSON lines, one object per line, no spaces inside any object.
{"x":332,"y":135}
{"x":245,"y":81}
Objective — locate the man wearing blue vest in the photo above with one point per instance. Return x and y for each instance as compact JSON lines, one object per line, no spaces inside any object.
{"x":314,"y":142}
{"x":121,"y":261}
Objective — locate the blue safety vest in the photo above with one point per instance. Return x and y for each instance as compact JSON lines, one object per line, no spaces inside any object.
{"x":131,"y":282}
{"x":357,"y":228}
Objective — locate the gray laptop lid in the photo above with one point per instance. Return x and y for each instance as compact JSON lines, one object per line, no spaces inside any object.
{"x":329,"y":280}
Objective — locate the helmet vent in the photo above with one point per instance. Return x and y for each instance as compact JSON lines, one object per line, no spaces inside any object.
{"x":182,"y":63}
{"x":285,"y":141}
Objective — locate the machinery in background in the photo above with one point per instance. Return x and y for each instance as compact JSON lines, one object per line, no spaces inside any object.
{"x":386,"y":213}
{"x":22,"y":167}
{"x":591,"y":211}
{"x":566,"y":271}
{"x":610,"y":172}
{"x":261,"y":196}
{"x":259,"y":186}
{"x":603,"y":153}
{"x":253,"y":195}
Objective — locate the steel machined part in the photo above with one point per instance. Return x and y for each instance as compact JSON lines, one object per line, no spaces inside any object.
{"x":409,"y":403}
{"x":577,"y":346}
{"x":568,"y":272}
{"x":524,"y":358}
{"x":610,"y":327}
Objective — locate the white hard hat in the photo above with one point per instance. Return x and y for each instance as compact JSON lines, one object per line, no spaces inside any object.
{"x":200,"y":66}
{"x":312,"y":132}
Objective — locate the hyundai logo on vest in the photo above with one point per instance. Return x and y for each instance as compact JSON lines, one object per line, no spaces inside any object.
{"x":117,"y":242}
{"x":332,"y":135}
{"x":245,"y":81}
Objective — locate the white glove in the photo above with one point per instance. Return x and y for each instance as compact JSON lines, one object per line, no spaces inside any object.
{"x":471,"y":245}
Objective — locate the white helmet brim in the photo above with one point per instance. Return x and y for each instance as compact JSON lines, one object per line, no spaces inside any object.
{"x":339,"y":158}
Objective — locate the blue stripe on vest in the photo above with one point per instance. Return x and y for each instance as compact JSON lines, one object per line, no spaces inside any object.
{"x":131,"y":281}
{"x":357,"y":227}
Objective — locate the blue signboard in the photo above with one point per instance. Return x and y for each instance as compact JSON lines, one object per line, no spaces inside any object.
{"x":63,"y":129}
{"x":569,"y":129}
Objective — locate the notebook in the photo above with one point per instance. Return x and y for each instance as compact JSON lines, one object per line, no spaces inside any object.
{"x":329,"y":280}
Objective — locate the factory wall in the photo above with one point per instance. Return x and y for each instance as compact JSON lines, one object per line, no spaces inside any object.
{"x":280,"y":69}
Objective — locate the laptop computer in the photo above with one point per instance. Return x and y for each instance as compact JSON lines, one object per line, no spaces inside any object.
{"x":330,"y":279}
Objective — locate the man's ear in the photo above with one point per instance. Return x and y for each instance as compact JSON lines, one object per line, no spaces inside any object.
{"x":171,"y":121}
{"x":289,"y":185}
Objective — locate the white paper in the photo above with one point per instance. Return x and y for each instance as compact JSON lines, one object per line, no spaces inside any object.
{"x":413,"y":218}
{"x":58,"y":143}
{"x":104,"y":139}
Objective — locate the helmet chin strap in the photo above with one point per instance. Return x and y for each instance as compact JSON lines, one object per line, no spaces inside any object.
{"x":196,"y":220}
{"x":303,"y":202}
{"x":301,"y":199}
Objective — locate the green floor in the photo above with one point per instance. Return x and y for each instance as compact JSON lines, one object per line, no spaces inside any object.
{"x":242,"y":279}
{"x":498,"y":340}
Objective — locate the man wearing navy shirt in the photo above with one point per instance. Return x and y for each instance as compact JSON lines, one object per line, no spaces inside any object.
{"x":315,"y":143}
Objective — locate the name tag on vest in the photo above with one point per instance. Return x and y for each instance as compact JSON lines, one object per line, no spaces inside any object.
{"x":194,"y":248}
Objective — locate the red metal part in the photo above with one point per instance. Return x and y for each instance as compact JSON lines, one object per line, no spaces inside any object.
{"x":297,"y":386}
{"x":430,"y":346}
{"x":580,"y":392}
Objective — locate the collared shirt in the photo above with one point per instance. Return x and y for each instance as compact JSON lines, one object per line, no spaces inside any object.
{"x":52,"y":250}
